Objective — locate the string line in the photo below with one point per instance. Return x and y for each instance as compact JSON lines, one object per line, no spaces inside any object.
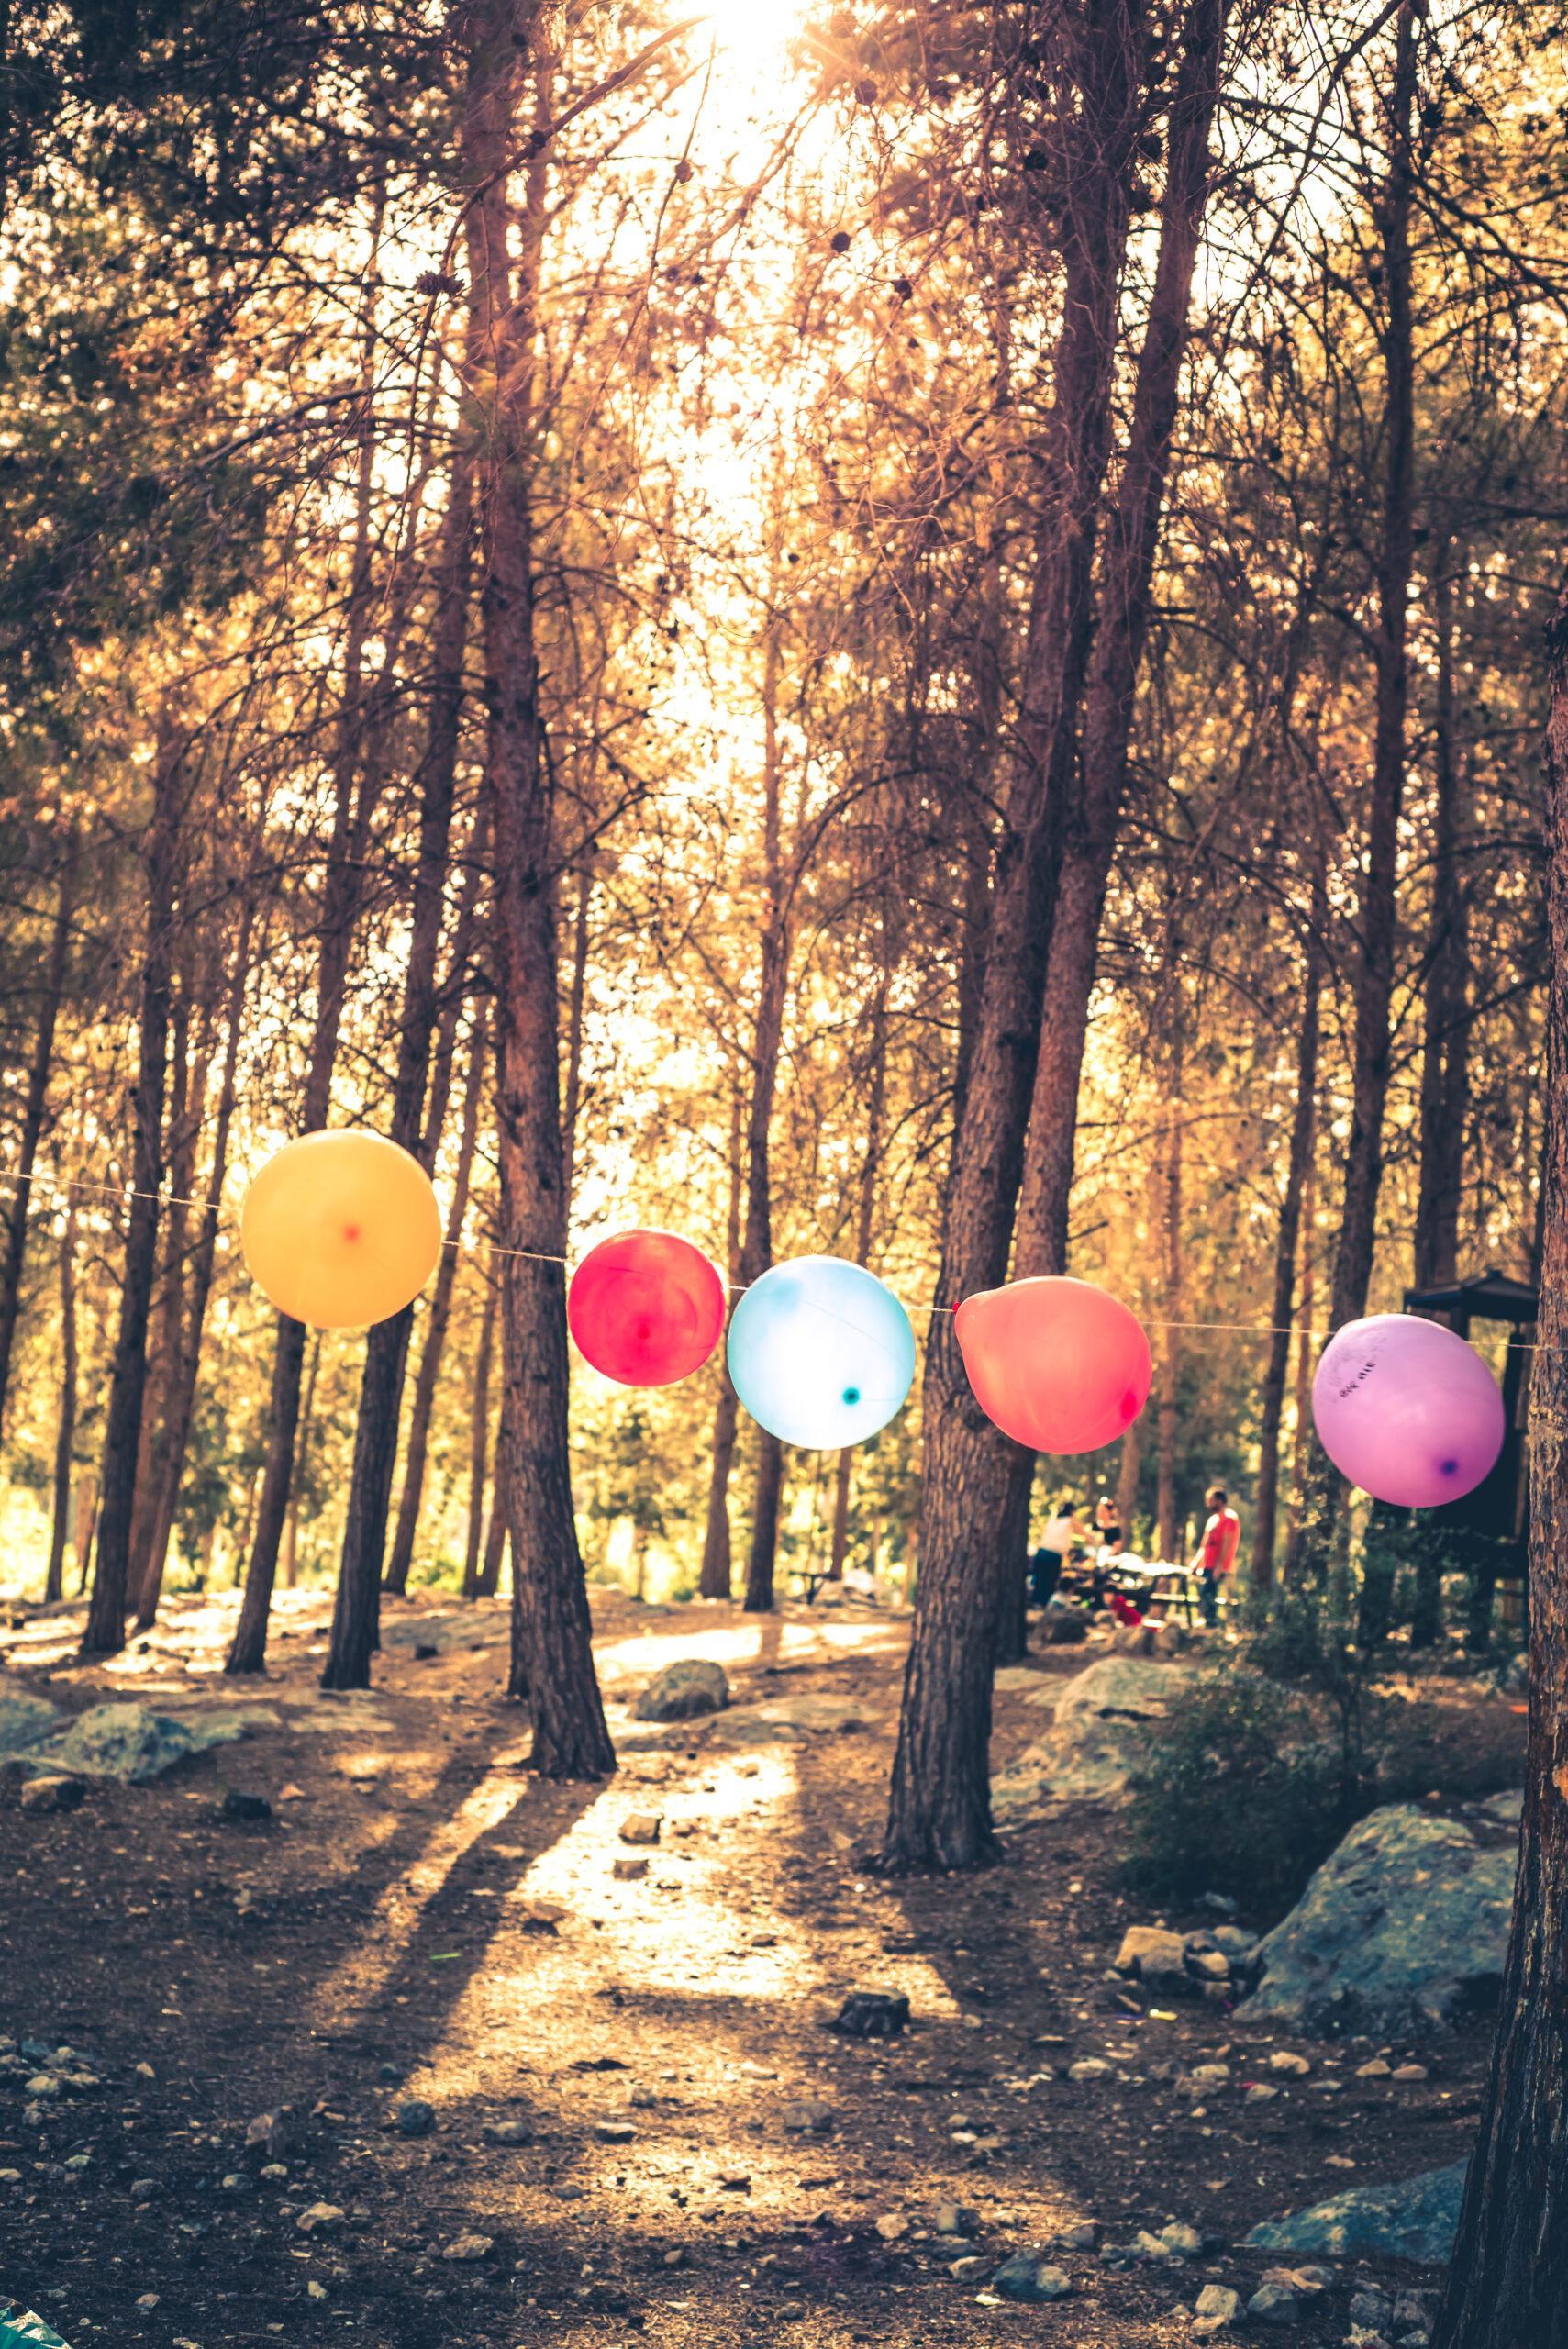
{"x":539,"y":1256}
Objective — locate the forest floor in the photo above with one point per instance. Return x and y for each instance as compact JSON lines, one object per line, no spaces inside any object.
{"x":699,"y":2160}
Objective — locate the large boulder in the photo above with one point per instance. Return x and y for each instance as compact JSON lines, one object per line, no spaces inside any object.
{"x":1416,"y":2218}
{"x":25,"y":1721}
{"x":1404,"y":1926}
{"x":683,"y":1690}
{"x":133,"y":1744}
{"x":1096,"y":1740}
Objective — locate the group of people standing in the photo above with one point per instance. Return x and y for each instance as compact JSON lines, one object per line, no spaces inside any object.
{"x":1100,"y":1546}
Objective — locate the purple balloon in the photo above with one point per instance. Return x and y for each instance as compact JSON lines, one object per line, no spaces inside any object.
{"x":1408,"y":1411}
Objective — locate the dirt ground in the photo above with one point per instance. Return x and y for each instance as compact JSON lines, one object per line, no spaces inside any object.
{"x":701,"y":2161}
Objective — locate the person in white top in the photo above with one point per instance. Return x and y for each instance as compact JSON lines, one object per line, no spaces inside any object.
{"x":1055,"y":1547}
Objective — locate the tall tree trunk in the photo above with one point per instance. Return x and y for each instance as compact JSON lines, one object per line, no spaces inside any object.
{"x":418,"y":1442}
{"x":552,"y":1635}
{"x":301,"y":1466}
{"x":1508,"y":2283}
{"x":65,"y":1434}
{"x":103,"y":1633}
{"x":36,"y":1102}
{"x":1287,"y":1241}
{"x":940,"y":1810}
{"x":865,"y":1226}
{"x":1172,"y":1152}
{"x":356,"y":782}
{"x":356,"y":1614}
{"x":581,"y":939}
{"x":757,"y":1245}
{"x":1306,"y":1352}
{"x":479,"y":1440}
{"x":182,"y":1404}
{"x":1445,"y":1049}
{"x":166,"y":1342}
{"x":1128,"y":1476}
{"x":87,"y":1516}
{"x":717,"y":1577}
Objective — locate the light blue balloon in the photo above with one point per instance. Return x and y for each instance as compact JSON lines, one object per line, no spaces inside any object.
{"x":821,"y":1352}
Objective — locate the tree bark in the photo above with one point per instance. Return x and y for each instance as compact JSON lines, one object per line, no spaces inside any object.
{"x":191,"y":1056}
{"x":1445,"y":1054}
{"x":182,"y":1404}
{"x":65,"y":1434}
{"x":418,"y":1445}
{"x":103,"y":1633}
{"x":1508,"y":2281}
{"x":715,"y":1580}
{"x":553,"y":1642}
{"x":356,"y":1614}
{"x":35,"y":1104}
{"x":1287,"y":1240}
{"x":301,"y":1463}
{"x":865,"y":1227}
{"x":1168,"y":1337}
{"x":757,"y":1245}
{"x":940,"y":1810}
{"x":479,"y":1441}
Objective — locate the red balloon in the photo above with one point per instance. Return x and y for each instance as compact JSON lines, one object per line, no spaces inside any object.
{"x":646,"y":1307}
{"x":1059,"y":1364}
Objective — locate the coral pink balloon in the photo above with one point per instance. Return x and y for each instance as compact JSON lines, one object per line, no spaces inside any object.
{"x":646,"y":1307}
{"x":1408,"y":1411}
{"x":1059,"y":1364}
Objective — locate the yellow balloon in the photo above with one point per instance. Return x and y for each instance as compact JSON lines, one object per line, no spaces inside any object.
{"x":341,"y":1229}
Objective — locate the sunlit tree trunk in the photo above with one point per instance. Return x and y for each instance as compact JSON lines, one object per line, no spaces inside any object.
{"x":767,"y":1040}
{"x":1171,"y":1150}
{"x":940,"y":1810}
{"x":301,"y":1466}
{"x":1445,"y":1045}
{"x":479,"y":1441}
{"x":418,"y":1446}
{"x":865,"y":1226}
{"x":191,"y":1055}
{"x":551,"y":1645}
{"x":1287,"y":1241}
{"x":1508,"y":2283}
{"x":103,"y":1633}
{"x":717,"y":1577}
{"x":19,"y":1193}
{"x":65,"y":1433}
{"x":181,"y":1407}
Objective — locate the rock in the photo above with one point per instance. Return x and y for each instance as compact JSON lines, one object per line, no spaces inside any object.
{"x":1404,"y":1926}
{"x":1077,"y":2234}
{"x":1151,"y":1955}
{"x":414,"y":2117}
{"x":133,"y":1744}
{"x":469,"y":2247}
{"x":966,"y":2271}
{"x":806,"y":1715}
{"x":1286,"y":2060}
{"x":509,"y":2132}
{"x":1411,"y":2072}
{"x":1415,"y":2219}
{"x":871,"y":2014}
{"x":320,"y":2219}
{"x":1204,"y":2079}
{"x":274,"y":2135}
{"x":641,"y":1827}
{"x":1258,"y":2092}
{"x":1371,"y":2309}
{"x":1217,"y":2301}
{"x":1179,"y":2242}
{"x":51,"y":1794}
{"x":1273,"y":2304}
{"x":630,"y":1871}
{"x":1089,"y":2068}
{"x":142,"y":2189}
{"x":810,"y":2116}
{"x":1237,"y":1945}
{"x":1212,"y":1965}
{"x":683,"y":1691}
{"x":891,"y":2225}
{"x":1376,"y":2070}
{"x":239,"y":1804}
{"x":1027,"y":2276}
{"x":1508,"y":1808}
{"x":956,"y":2219}
{"x":1096,"y":1740}
{"x":615,"y":2132}
{"x":25,"y":1721}
{"x":426,"y":1651}
{"x":1063,"y":1627}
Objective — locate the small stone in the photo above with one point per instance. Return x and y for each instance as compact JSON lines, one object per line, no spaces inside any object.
{"x":240,"y":1804}
{"x":273,"y":2172}
{"x":147,"y":2301}
{"x":43,"y":2084}
{"x":1219,"y":2302}
{"x":1411,"y":2072}
{"x":1211,"y":1963}
{"x":1273,"y":2304}
{"x":426,"y":1651}
{"x":1236,"y":1943}
{"x":1376,"y":2070}
{"x":1260,"y":2092}
{"x":1204,"y":2079}
{"x":871,"y":2014}
{"x":1371,"y":2309}
{"x":1181,"y":2241}
{"x":630,"y":1871}
{"x":53,"y":1793}
{"x":1152,"y":1955}
{"x":1028,"y":2277}
{"x":1077,"y":2234}
{"x":78,"y":2161}
{"x":615,"y":2132}
{"x":1089,"y":2068}
{"x":641,"y":1827}
{"x":314,"y":2290}
{"x":964,"y":2270}
{"x":145,"y":2072}
{"x":956,"y":2219}
{"x":274,"y":2135}
{"x":683,"y":1691}
{"x":810,"y":2116}
{"x":142,"y":2189}
{"x":414,"y":2117}
{"x":890,"y":2226}
{"x":734,"y":2181}
{"x":320,"y":2219}
{"x":238,"y":2181}
{"x":509,"y":2132}
{"x":1287,"y":2061}
{"x":469,"y":2247}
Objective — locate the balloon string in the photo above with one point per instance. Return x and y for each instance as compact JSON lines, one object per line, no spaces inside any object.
{"x":540,"y":1256}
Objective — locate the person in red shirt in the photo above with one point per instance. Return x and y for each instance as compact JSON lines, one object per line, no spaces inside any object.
{"x":1217,"y":1550}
